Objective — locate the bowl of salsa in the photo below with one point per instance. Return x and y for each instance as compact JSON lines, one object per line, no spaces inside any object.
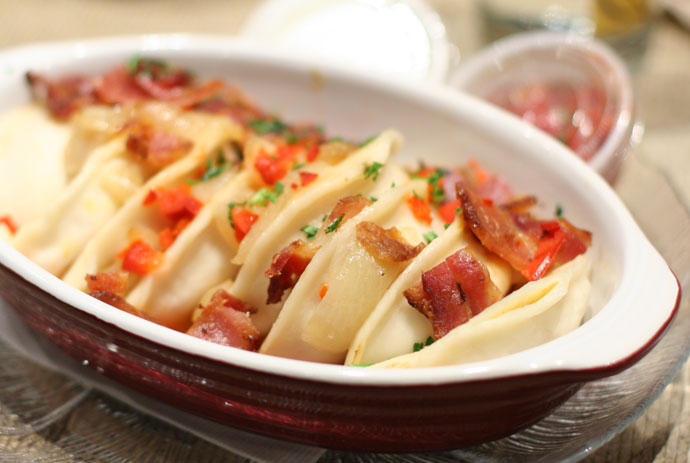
{"x":574,"y":88}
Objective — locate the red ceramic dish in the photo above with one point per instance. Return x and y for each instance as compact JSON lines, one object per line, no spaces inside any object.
{"x":348,"y":407}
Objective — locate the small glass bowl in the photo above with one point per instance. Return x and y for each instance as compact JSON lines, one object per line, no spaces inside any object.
{"x":573,"y":87}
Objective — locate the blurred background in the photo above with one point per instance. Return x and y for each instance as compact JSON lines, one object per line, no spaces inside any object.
{"x":652,"y":36}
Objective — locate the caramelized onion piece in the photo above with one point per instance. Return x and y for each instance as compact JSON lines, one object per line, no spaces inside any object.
{"x":286,"y":268}
{"x":155,"y":146}
{"x":347,"y":208}
{"x":386,"y":244}
{"x":118,"y":302}
{"x":225,"y":320}
{"x":495,"y":229}
{"x":111,"y":282}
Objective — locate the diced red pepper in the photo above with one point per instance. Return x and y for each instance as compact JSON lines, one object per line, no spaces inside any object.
{"x":168,"y":235}
{"x":549,"y":245}
{"x":312,"y":153}
{"x":420,"y":209}
{"x":176,"y":203}
{"x":242,"y":220}
{"x":10,"y":223}
{"x":275,"y":167}
{"x":307,"y":177}
{"x":323,"y":290}
{"x":448,"y":210}
{"x":140,"y":258}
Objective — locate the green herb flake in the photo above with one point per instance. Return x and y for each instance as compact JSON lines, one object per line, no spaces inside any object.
{"x":298,"y":165}
{"x":437,"y":193}
{"x":263,"y":127}
{"x":559,"y":211}
{"x":133,"y":63}
{"x":430,"y":236}
{"x":278,"y":188}
{"x":213,"y":169}
{"x":421,"y":345}
{"x":373,"y":170}
{"x":334,"y":139}
{"x":417,"y":195}
{"x":262,"y":197}
{"x":360,"y":364}
{"x":393,"y":185}
{"x":332,"y":227}
{"x":445,"y":226}
{"x":309,"y":231}
{"x":323,"y":219}
{"x":373,"y":199}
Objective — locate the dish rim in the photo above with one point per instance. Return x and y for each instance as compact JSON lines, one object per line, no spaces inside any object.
{"x":639,"y":250}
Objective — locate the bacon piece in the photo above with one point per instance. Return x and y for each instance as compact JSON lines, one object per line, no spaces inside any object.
{"x":140,"y":258}
{"x":286,"y":268}
{"x":520,"y":205}
{"x":119,"y":302}
{"x":225,"y":320}
{"x":62,"y":96}
{"x":387,"y":245}
{"x":447,"y":301}
{"x":9,"y":222}
{"x":496,"y":230}
{"x":486,"y":184}
{"x":560,"y":243}
{"x":230,"y":102}
{"x":119,"y":87}
{"x":156,"y":146}
{"x":347,"y":207}
{"x":111,"y":282}
{"x":474,"y":280}
{"x":453,"y":291}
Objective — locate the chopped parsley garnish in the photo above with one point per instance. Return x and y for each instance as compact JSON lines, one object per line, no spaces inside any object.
{"x":309,"y":231}
{"x":373,"y":199}
{"x":332,"y":227}
{"x":430,"y":236}
{"x":213,"y":169}
{"x":340,"y":139}
{"x":323,"y":219}
{"x":230,"y":207}
{"x":290,"y":137}
{"x":368,"y":140}
{"x":393,"y":185}
{"x":559,"y":211}
{"x":421,"y":345}
{"x":417,"y":195}
{"x":298,"y":165}
{"x":373,"y":170}
{"x":263,"y":127}
{"x":445,"y":226}
{"x":264,"y":195}
{"x":437,"y":193}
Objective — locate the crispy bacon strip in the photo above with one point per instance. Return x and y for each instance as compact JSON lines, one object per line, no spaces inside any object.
{"x":286,"y":268}
{"x":155,"y":146}
{"x":225,"y":320}
{"x":447,"y":301}
{"x":496,"y":230}
{"x":453,"y":291}
{"x":118,"y":302}
{"x":474,"y":280}
{"x":387,"y":245}
{"x":111,"y":282}
{"x":347,"y":207}
{"x":62,"y":96}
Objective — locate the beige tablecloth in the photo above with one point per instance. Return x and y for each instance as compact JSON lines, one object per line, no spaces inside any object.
{"x":662,"y":434}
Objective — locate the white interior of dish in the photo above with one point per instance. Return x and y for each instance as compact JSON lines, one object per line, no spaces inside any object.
{"x":557,"y":57}
{"x":634,"y":292}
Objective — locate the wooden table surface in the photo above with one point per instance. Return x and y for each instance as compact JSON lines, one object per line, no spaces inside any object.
{"x":663,"y":94}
